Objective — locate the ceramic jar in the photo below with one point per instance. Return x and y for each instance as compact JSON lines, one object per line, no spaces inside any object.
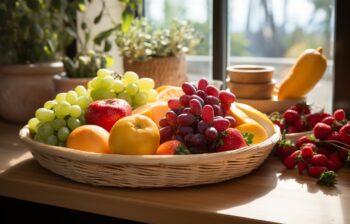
{"x":251,"y":81}
{"x":24,"y":88}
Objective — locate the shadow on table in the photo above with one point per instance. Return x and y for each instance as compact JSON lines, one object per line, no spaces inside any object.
{"x":309,"y":182}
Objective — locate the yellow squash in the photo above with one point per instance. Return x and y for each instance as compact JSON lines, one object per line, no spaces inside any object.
{"x":305,"y":73}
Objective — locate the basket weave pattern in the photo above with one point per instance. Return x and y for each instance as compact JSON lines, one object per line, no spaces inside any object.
{"x":150,"y":170}
{"x":163,"y":70}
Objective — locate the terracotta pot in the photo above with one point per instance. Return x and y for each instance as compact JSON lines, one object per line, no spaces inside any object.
{"x":64,"y":83}
{"x":163,"y":70}
{"x":24,"y":88}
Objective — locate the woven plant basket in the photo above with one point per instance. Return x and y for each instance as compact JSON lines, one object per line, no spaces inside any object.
{"x":149,"y":170}
{"x":163,"y":70}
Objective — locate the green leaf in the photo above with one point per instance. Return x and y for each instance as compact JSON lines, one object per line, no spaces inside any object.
{"x":248,"y":137}
{"x":51,"y":46}
{"x":37,"y":31}
{"x":103,"y":35}
{"x":33,"y":5}
{"x":328,"y":178}
{"x":109,"y":61}
{"x":99,"y":16}
{"x":83,"y":25}
{"x":87,"y":36}
{"x":108,"y":46}
{"x":127,"y":18}
{"x":58,"y":4}
{"x":82,"y":7}
{"x":71,"y":32}
{"x":69,"y":66}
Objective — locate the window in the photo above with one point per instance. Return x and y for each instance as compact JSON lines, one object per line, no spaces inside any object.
{"x":199,"y":12}
{"x":275,"y":32}
{"x":263,"y":32}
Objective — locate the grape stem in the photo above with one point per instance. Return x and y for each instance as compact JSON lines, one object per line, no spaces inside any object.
{"x":116,"y":75}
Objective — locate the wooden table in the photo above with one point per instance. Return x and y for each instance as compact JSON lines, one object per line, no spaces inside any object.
{"x":269,"y":194}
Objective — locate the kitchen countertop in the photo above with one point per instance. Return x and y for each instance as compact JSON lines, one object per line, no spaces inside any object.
{"x":269,"y":194}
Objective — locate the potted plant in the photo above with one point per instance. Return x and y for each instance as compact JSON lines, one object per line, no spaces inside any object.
{"x":78,"y":70}
{"x":33,"y":38}
{"x":157,"y":53}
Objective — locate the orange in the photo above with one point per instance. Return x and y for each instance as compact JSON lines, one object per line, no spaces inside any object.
{"x":170,"y":92}
{"x":163,"y":87}
{"x":144,"y":110}
{"x":90,"y":138}
{"x":134,"y":135}
{"x":155,"y":110}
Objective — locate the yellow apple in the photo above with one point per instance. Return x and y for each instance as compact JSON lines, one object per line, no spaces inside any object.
{"x":134,"y":135}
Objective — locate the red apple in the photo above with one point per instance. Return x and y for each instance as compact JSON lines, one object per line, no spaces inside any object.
{"x":105,"y":113}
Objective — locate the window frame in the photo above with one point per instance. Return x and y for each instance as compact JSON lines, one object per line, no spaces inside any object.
{"x":341,"y":96}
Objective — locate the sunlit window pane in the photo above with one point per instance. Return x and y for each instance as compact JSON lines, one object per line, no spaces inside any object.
{"x":275,"y":32}
{"x":199,"y":12}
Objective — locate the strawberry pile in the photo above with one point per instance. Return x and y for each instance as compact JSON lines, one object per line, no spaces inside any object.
{"x":322,"y":153}
{"x":297,"y":118}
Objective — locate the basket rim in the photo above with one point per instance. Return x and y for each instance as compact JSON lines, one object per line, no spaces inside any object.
{"x":101,"y":158}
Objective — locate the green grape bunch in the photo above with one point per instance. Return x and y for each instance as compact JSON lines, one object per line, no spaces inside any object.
{"x":57,"y":118}
{"x":129,"y":87}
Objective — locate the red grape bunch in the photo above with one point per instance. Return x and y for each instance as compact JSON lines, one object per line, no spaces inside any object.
{"x":199,"y":117}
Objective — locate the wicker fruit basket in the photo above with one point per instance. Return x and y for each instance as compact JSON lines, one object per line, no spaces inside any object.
{"x":149,"y":170}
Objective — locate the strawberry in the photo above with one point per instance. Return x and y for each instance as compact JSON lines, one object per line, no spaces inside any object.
{"x":316,"y":171}
{"x":328,"y":178}
{"x":281,"y":125}
{"x":334,"y":136}
{"x":319,"y":160}
{"x":301,"y":166}
{"x":313,"y":119}
{"x":344,"y":134}
{"x":301,"y":125}
{"x":277,"y":119}
{"x":324,"y":151}
{"x":284,"y":149}
{"x":328,"y":120}
{"x":307,"y":150}
{"x":231,"y":139}
{"x":303,"y":140}
{"x":343,"y":154}
{"x":307,"y":160}
{"x":292,"y":129}
{"x":291,"y":160}
{"x":301,"y":108}
{"x":291,"y":116}
{"x":339,"y":115}
{"x":172,"y":147}
{"x":324,"y":115}
{"x":334,"y":161}
{"x":321,"y":131}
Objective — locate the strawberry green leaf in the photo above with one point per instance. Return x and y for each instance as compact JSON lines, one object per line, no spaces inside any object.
{"x":328,"y":178}
{"x":248,"y":137}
